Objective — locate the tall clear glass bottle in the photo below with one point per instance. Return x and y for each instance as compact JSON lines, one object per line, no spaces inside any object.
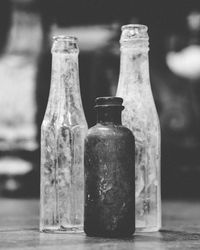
{"x":62,"y":144}
{"x":140,"y":116}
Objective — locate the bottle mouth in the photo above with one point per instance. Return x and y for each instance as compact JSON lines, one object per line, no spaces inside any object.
{"x":134,"y":32}
{"x":135,"y":26}
{"x":65,"y":38}
{"x":65,"y":44}
{"x":108,"y":101}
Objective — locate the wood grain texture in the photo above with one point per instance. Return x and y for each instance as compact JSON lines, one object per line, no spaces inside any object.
{"x":19,"y":221}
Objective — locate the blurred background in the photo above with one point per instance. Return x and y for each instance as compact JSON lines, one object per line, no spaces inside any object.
{"x":26,"y":28}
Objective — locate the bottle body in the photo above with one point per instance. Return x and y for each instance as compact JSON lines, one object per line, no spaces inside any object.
{"x":109,"y":181}
{"x":140,"y":116}
{"x":62,"y":147}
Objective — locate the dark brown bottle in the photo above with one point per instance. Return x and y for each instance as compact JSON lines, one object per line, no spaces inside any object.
{"x":109,"y":173}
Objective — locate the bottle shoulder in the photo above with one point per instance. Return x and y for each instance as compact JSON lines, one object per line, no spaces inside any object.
{"x":55,"y":124}
{"x":109,"y":130}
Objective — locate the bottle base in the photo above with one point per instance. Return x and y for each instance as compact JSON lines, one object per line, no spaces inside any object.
{"x":111,"y":236}
{"x":103,"y":233}
{"x":147,"y":229}
{"x":62,"y":229}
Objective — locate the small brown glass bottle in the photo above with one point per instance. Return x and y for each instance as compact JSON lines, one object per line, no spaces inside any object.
{"x":109,"y":173}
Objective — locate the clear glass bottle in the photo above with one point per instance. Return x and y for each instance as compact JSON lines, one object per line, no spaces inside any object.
{"x":140,"y":116}
{"x":62,"y":144}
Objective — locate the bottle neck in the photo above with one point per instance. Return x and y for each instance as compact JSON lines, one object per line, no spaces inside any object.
{"x":65,"y":71}
{"x":134,"y":63}
{"x":65,"y":98}
{"x":65,"y":76}
{"x":109,"y":115}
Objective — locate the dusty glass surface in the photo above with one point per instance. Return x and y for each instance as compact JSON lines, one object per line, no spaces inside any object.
{"x":62,"y":144}
{"x":140,"y":116}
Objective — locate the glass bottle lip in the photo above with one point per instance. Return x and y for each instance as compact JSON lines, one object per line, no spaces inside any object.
{"x":132,"y":26}
{"x":65,"y":44}
{"x":131,"y":32}
{"x":109,"y":101}
{"x":65,"y":38}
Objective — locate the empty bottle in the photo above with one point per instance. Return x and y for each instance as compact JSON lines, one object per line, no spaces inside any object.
{"x":109,"y":173}
{"x":62,"y":144}
{"x":140,"y":116}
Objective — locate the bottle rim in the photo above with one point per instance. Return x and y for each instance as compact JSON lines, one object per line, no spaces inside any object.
{"x":132,"y":26}
{"x":65,"y":38}
{"x":134,"y":32}
{"x":109,"y":101}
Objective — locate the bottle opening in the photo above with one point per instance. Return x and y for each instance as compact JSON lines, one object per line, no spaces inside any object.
{"x":108,"y":101}
{"x":133,"y":32}
{"x":135,"y":26}
{"x":65,"y":38}
{"x":65,"y":44}
{"x":109,"y":109}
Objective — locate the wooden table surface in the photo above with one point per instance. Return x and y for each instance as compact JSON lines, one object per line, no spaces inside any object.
{"x":19,"y":221}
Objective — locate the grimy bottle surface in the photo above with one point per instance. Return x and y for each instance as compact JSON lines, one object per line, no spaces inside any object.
{"x":62,"y":144}
{"x":140,"y":116}
{"x":109,"y":173}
